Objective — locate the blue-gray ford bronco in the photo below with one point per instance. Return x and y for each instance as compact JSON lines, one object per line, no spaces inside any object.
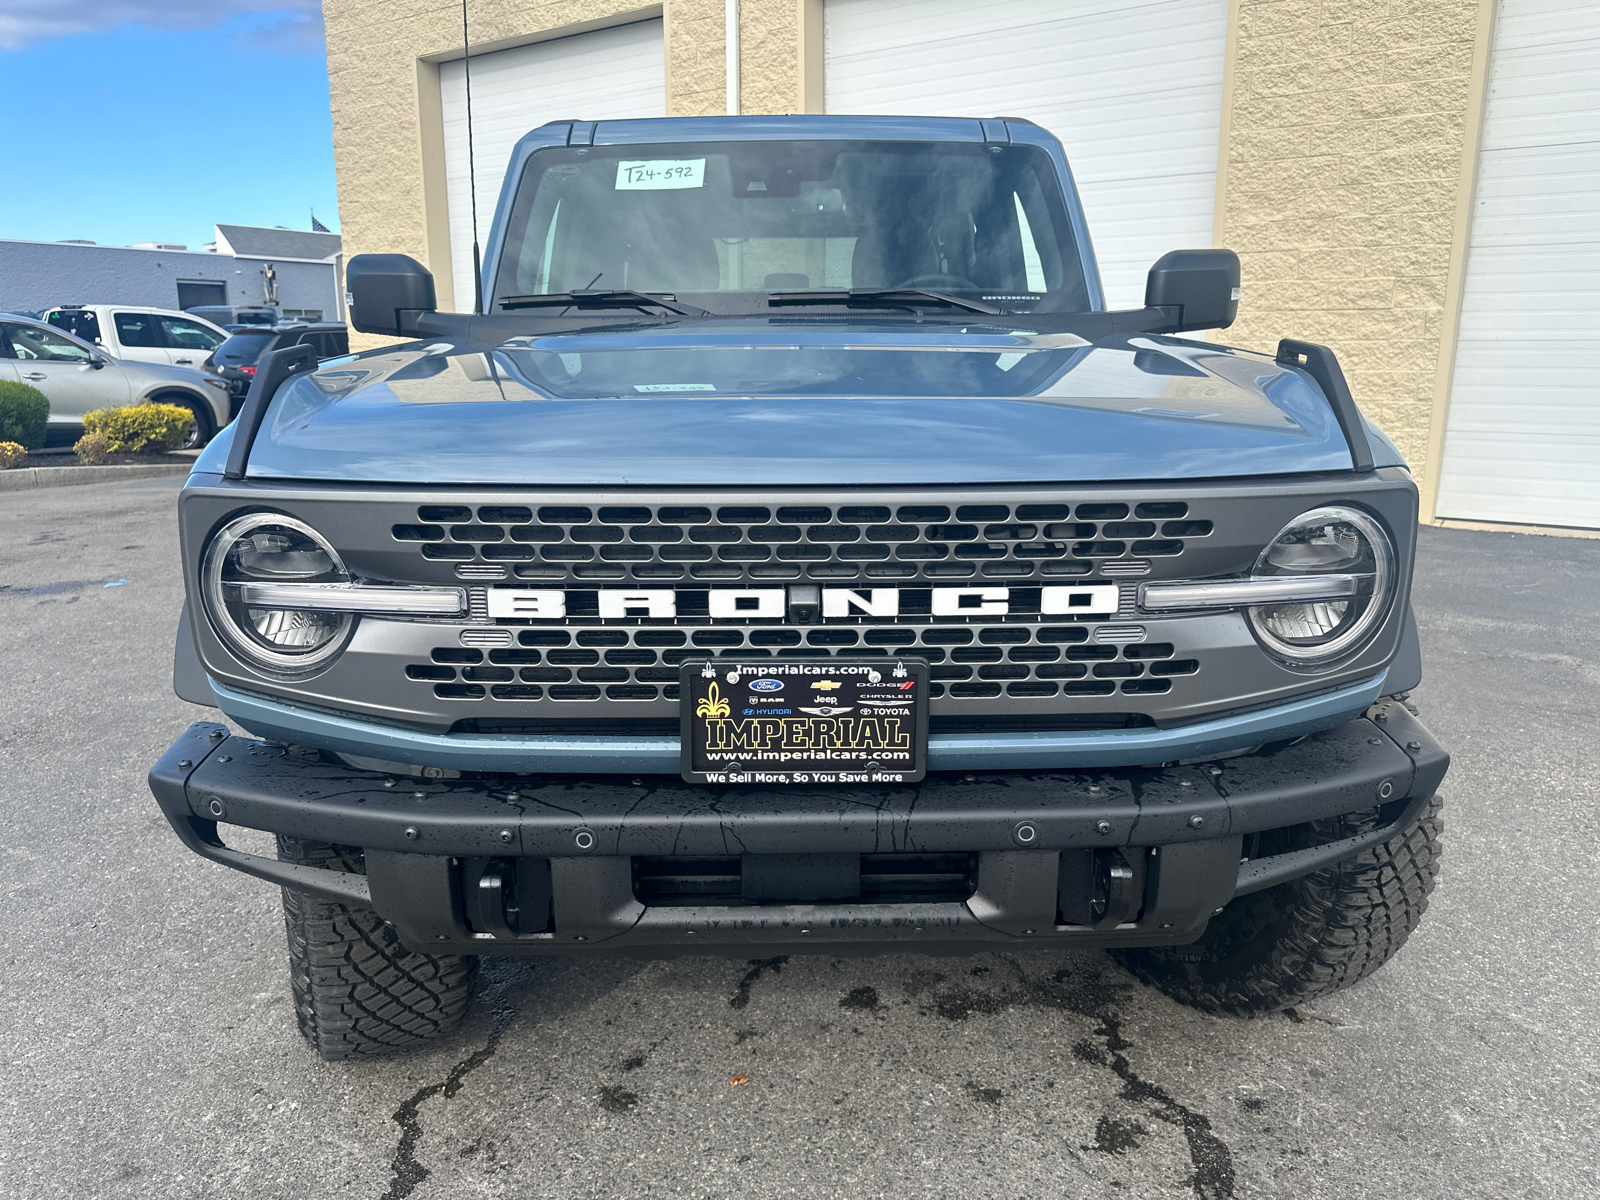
{"x":792,"y":553}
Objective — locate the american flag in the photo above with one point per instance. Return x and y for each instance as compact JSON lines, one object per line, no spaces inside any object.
{"x":317,"y":226}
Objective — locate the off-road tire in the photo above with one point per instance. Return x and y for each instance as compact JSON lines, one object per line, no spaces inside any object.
{"x":357,"y":990}
{"x":1288,"y":945}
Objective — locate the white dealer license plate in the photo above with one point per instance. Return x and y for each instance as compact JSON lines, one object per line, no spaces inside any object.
{"x":806,"y":721}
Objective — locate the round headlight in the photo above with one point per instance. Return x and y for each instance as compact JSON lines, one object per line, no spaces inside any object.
{"x":1326,"y":541}
{"x":269,"y":547}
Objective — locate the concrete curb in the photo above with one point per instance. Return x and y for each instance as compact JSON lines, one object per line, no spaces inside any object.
{"x":23,"y":478}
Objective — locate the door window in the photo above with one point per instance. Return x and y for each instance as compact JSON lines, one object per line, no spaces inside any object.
{"x":183,"y":334}
{"x":33,"y":344}
{"x":79,"y":322}
{"x":137,"y":329}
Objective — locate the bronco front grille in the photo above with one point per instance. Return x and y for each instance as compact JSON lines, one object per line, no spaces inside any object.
{"x":735,"y":543}
{"x":1033,"y":662}
{"x":640,"y":664}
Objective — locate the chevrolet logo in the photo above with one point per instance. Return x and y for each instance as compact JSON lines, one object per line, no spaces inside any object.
{"x":800,"y":603}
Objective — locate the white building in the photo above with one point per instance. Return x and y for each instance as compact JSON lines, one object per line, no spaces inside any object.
{"x":295,"y":270}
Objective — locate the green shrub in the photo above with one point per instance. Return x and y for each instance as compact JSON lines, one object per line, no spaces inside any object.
{"x":11,"y":453}
{"x":153,"y":427}
{"x":91,"y":449}
{"x":23,"y":413}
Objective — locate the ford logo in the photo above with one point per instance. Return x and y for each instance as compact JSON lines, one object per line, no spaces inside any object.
{"x":766,"y":685}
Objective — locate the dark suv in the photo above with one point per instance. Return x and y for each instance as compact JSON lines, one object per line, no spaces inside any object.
{"x":235,"y":360}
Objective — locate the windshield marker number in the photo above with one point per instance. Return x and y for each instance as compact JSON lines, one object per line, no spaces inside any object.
{"x":660,"y":174}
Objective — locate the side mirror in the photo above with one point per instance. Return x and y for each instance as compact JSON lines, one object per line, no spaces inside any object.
{"x":387,"y":292}
{"x":97,"y":361}
{"x":1202,"y":286}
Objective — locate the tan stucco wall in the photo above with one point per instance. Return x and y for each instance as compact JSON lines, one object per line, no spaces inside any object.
{"x":780,"y":56}
{"x":1351,"y":131}
{"x":383,"y":60}
{"x":1349,"y":139}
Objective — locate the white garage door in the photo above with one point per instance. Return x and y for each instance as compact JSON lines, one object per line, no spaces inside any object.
{"x":606,"y":75}
{"x":1522,"y":437}
{"x":1133,"y":90}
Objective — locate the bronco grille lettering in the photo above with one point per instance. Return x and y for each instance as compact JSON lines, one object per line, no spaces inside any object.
{"x":1093,"y":599}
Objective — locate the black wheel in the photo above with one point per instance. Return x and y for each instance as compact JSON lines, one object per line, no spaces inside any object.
{"x":204,"y":427}
{"x":1290,"y":944}
{"x":357,"y":990}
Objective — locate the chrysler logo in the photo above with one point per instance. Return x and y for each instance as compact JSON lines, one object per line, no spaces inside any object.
{"x":800,"y":603}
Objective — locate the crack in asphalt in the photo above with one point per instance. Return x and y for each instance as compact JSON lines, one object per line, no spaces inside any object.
{"x":757,"y":967}
{"x":1212,"y":1160}
{"x":1213,"y":1177}
{"x":406,"y":1170}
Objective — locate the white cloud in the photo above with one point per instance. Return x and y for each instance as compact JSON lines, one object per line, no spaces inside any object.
{"x":24,"y":22}
{"x":294,"y":33}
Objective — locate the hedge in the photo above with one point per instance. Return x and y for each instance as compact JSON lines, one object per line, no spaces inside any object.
{"x":91,"y":449}
{"x":153,"y":427}
{"x":23,"y":413}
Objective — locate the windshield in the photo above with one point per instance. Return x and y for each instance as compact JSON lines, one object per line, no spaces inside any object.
{"x":876,"y":364}
{"x":244,"y":347}
{"x":983,"y":222}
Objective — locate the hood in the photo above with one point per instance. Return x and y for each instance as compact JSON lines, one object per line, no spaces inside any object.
{"x":804,"y":403}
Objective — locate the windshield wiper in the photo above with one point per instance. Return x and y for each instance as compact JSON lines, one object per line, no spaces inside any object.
{"x":601,"y":298}
{"x":879,"y":298}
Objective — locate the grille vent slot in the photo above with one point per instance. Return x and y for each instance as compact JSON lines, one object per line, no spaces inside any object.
{"x":670,"y":881}
{"x":486,"y":637}
{"x":750,"y":543}
{"x":638,"y":664}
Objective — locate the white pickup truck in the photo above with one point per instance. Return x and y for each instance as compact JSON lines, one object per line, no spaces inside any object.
{"x":129,"y":331}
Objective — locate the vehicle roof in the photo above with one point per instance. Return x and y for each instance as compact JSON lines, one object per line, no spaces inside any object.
{"x":797,"y":125}
{"x":143,"y":308}
{"x":291,"y":327}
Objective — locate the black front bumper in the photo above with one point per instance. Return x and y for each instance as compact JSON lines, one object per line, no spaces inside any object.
{"x":430,"y":844}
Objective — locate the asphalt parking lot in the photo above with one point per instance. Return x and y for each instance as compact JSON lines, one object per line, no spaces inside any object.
{"x":148,"y":1044}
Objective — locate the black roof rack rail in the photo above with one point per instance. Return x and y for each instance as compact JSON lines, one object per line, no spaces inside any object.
{"x":271,"y":374}
{"x":1322,"y":364}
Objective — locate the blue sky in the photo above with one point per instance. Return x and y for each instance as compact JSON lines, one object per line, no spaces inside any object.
{"x":155,"y":119}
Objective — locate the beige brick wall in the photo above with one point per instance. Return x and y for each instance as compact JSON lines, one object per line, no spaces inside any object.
{"x":383,"y":84}
{"x":1349,"y":129}
{"x":775,"y":38}
{"x":696,"y":58}
{"x":1349,"y":139}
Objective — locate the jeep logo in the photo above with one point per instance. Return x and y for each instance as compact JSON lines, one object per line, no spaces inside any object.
{"x":1075,"y":600}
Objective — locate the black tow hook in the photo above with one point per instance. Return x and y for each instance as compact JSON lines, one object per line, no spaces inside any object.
{"x":1123,"y":896}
